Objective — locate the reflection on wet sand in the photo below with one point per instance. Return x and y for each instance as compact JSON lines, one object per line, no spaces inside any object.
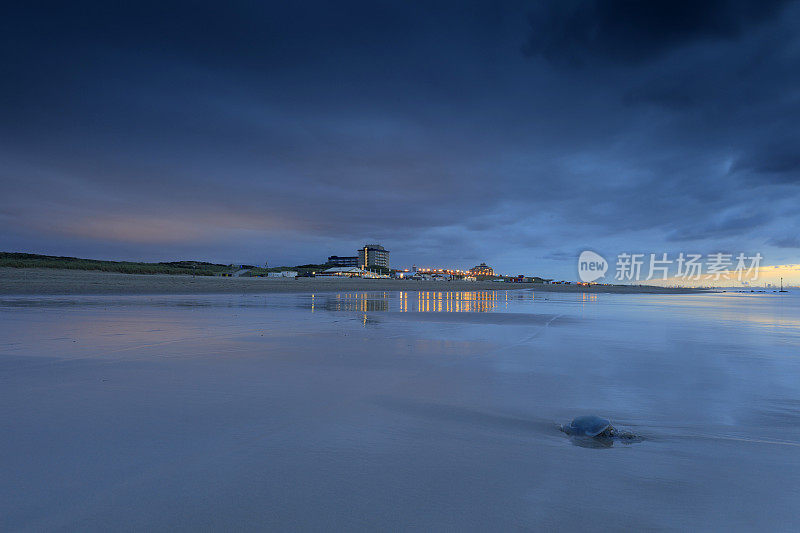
{"x":587,"y":297}
{"x":427,"y":301}
{"x":411,"y":302}
{"x":768,"y":312}
{"x":211,"y":410}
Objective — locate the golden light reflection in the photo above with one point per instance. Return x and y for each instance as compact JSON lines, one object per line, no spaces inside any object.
{"x":455,"y":302}
{"x":425,"y":301}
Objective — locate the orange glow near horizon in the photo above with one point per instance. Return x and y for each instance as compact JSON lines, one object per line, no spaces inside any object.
{"x":767,"y":275}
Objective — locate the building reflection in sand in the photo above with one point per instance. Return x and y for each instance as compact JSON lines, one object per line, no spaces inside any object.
{"x":409,"y":302}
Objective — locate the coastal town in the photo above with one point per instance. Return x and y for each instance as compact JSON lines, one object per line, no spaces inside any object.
{"x":371,"y":261}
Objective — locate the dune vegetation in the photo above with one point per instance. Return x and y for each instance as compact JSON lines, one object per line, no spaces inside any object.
{"x":195,"y":268}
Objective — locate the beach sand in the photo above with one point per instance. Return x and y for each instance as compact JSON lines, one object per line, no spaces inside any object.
{"x":60,"y":282}
{"x":365,"y":411}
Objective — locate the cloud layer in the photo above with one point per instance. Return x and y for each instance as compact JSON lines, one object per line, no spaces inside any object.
{"x":515,"y":133}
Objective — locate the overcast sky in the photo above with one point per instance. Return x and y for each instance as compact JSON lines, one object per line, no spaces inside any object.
{"x":516,"y":133}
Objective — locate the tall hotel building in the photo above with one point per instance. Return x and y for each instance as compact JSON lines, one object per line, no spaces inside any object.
{"x":373,"y":255}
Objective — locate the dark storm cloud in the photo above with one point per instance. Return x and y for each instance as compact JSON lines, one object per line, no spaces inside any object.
{"x":790,"y":241}
{"x":630,"y":31}
{"x":779,"y":163}
{"x":294,"y":131}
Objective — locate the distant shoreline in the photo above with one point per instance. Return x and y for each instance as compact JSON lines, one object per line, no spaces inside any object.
{"x":47,"y":281}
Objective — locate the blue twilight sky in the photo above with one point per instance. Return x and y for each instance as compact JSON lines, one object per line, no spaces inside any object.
{"x":517,"y":133}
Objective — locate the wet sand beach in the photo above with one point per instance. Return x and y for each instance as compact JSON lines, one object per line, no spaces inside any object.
{"x":402,"y":411}
{"x":53,"y":281}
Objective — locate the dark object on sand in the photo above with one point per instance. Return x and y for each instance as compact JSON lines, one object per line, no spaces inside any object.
{"x":588,"y":426}
{"x":595,"y":432}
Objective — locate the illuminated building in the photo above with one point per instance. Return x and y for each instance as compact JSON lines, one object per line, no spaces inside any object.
{"x":434,"y":273}
{"x":373,"y":255}
{"x":482,"y":270}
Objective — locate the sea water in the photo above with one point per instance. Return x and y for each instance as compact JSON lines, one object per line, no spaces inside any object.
{"x":401,"y":410}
